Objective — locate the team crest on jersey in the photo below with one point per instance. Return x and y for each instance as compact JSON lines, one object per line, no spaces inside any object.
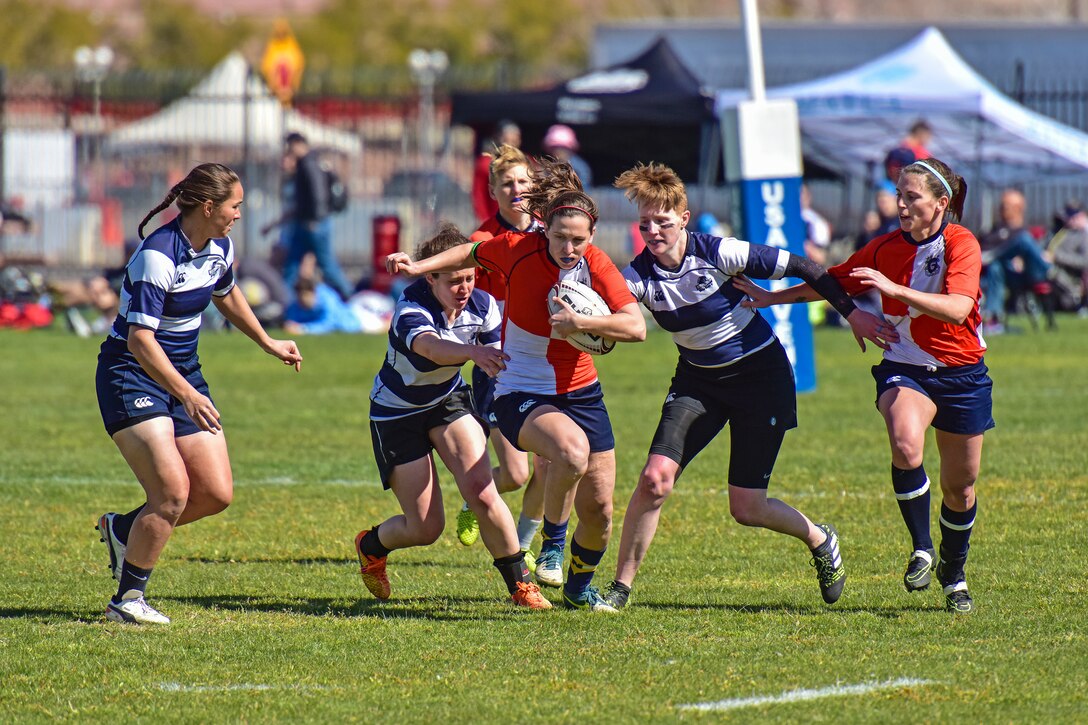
{"x":703,"y":284}
{"x":216,"y":268}
{"x":933,"y":265}
{"x":659,"y":295}
{"x":181,"y":278}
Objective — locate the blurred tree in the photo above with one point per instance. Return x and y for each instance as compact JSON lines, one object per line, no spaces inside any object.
{"x":355,"y":33}
{"x":38,"y":35}
{"x":177,"y":36}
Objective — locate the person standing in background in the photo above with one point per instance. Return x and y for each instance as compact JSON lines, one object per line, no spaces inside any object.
{"x":506,"y":133}
{"x":917,"y":140}
{"x":817,"y":229}
{"x":561,"y":144}
{"x":310,"y":228}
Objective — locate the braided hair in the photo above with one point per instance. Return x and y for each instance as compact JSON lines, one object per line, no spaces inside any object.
{"x":557,"y":191}
{"x":206,"y":182}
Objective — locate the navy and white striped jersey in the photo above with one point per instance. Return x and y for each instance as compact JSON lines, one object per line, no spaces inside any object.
{"x":407,"y":382}
{"x":697,"y":303}
{"x":167,"y":286}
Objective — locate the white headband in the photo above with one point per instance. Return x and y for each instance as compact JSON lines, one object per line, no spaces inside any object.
{"x":933,"y":171}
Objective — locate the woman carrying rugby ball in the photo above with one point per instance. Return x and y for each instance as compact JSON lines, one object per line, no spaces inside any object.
{"x":548,"y":399}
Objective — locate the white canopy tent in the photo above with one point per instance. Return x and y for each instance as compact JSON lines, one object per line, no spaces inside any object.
{"x":230,"y":107}
{"x":849,"y":120}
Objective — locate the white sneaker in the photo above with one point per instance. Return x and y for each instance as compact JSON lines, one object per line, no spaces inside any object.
{"x":113,"y":544}
{"x":549,"y":568}
{"x":134,"y":611}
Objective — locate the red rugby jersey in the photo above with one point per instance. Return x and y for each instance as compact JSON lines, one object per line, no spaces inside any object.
{"x":948,"y":263}
{"x":492,"y":282}
{"x":538,"y":362}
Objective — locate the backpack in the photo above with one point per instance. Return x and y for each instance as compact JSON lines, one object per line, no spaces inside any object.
{"x":338,"y":191}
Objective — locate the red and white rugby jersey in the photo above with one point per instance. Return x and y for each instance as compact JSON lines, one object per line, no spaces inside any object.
{"x":947,"y":263}
{"x":490,"y":281}
{"x":538,"y":362}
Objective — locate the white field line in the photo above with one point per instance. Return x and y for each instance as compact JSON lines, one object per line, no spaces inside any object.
{"x":863,"y":688}
{"x":178,"y":687}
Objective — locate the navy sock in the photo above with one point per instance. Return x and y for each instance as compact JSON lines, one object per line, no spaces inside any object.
{"x":583,"y":565}
{"x":371,"y":545}
{"x":513,"y":570}
{"x":912,"y":495}
{"x":122,"y":523}
{"x":956,"y":531}
{"x":554,"y":536}
{"x":133,"y":582}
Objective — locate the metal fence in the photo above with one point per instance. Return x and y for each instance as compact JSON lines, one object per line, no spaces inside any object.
{"x":85,"y":195}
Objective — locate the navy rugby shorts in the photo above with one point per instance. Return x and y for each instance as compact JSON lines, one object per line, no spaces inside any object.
{"x":584,"y":406}
{"x":755,"y":396}
{"x":403,"y":440}
{"x":963,"y":394}
{"x":127,"y":395}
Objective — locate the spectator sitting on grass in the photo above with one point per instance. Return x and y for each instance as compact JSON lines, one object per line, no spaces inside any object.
{"x":317,"y":310}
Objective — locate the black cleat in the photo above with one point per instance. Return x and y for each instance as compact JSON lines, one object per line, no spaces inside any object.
{"x":616,"y":595}
{"x":958,"y":600}
{"x":919,"y":570}
{"x":829,"y":568}
{"x":950,"y":575}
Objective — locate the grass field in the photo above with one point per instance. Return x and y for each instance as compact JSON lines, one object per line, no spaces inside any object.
{"x":271,"y":623}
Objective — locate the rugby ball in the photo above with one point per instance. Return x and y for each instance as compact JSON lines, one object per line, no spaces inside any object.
{"x":584,"y":300}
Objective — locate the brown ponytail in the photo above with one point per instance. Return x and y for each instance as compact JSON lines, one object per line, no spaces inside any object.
{"x":557,"y":191}
{"x":206,"y":182}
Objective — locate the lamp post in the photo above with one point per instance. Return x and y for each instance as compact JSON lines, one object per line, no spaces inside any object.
{"x":427,"y":67}
{"x":92,"y":66}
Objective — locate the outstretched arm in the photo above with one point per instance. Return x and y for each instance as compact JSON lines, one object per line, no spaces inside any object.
{"x":819,"y":284}
{"x":451,"y":260}
{"x":235,"y":308}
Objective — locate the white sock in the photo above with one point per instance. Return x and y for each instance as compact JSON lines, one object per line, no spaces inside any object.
{"x":527,"y":529}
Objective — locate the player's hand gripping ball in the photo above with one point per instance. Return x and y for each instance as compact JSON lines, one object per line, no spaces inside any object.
{"x":584,"y":300}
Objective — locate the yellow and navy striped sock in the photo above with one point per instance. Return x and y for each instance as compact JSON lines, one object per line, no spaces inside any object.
{"x":554,"y":536}
{"x":583,"y":564}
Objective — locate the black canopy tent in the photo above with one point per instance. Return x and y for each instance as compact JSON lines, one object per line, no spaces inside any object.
{"x":651,"y":108}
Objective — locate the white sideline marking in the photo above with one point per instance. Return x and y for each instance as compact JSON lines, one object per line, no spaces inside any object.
{"x":178,"y":687}
{"x":800,"y":695}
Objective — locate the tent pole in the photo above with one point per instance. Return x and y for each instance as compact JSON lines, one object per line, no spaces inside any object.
{"x":985,"y":199}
